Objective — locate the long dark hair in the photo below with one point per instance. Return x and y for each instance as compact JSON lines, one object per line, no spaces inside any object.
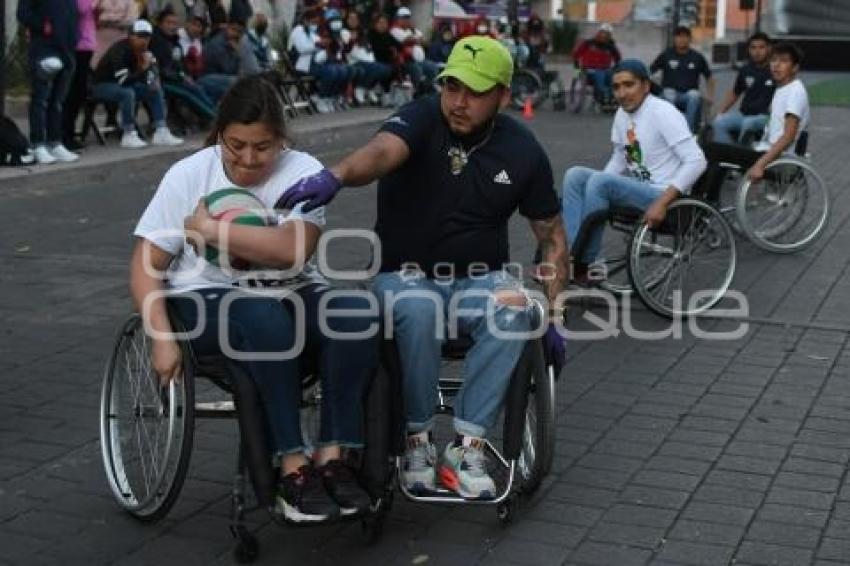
{"x":251,"y":99}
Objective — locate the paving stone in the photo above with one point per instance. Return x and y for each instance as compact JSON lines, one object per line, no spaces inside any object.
{"x":717,"y":513}
{"x":813,"y":467}
{"x":799,"y":497}
{"x":684,"y":552}
{"x":654,"y":497}
{"x":640,"y":536}
{"x":809,"y":482}
{"x":558,"y":512}
{"x":793,"y":515}
{"x":838,"y":529}
{"x":604,"y":479}
{"x":691,"y":451}
{"x":678,"y":465}
{"x":546,"y":532}
{"x":700,"y":437}
{"x":752,"y":482}
{"x":605,"y":554}
{"x":834,"y":549}
{"x":522,"y":551}
{"x":711,"y":533}
{"x":747,"y":465}
{"x":762,"y":553}
{"x":728,"y":495}
{"x":783,"y":534}
{"x":629,"y":514}
{"x":582,"y":495}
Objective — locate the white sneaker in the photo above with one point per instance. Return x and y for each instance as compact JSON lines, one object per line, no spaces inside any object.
{"x":62,"y":153}
{"x":373,"y":97}
{"x":418,"y":472}
{"x":132,"y":140}
{"x":464,"y":470}
{"x":163,"y":136}
{"x":360,"y":95}
{"x":325,"y":106}
{"x":43,"y":155}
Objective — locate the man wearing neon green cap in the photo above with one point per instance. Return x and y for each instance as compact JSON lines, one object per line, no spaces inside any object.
{"x":452,"y":170}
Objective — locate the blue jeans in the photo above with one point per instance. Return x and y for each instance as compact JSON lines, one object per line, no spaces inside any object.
{"x":586,"y":191}
{"x":215,"y":85}
{"x":417,"y":303}
{"x":265,"y":324}
{"x":46,"y":101}
{"x":193,"y":95}
{"x":601,"y":80}
{"x":126,"y":96}
{"x":422,"y":72}
{"x":332,"y":78}
{"x":369,"y":74}
{"x":734,"y":122}
{"x":689,"y":102}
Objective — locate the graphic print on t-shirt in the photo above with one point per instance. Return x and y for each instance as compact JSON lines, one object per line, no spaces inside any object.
{"x":634,"y":156}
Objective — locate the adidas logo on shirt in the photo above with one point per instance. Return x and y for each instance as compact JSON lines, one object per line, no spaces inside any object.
{"x":502,"y":178}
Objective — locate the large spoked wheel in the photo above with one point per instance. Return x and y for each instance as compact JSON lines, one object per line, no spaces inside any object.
{"x":787,"y":210}
{"x":538,"y":437}
{"x":612,"y":270}
{"x":685,"y":266}
{"x":577,"y":94}
{"x":145,"y":430}
{"x":526,"y":85}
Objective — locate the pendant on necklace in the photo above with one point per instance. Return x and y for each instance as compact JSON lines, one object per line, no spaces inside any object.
{"x":457,"y":159}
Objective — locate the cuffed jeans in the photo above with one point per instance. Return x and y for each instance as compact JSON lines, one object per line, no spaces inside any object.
{"x":586,"y":191}
{"x":268,"y":325}
{"x":420,"y":309}
{"x":46,"y":101}
{"x":332,"y":78}
{"x":689,"y":102}
{"x":126,"y":96}
{"x":369,"y":74}
{"x":733,"y":122}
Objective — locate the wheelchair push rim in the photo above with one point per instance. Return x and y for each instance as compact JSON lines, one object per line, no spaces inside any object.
{"x":686,"y":266}
{"x":538,"y":438}
{"x":146,"y":430}
{"x":526,"y":84}
{"x":578,"y":91}
{"x":787,"y":210}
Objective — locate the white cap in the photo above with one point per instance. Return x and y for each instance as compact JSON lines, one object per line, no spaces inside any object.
{"x":606,"y":27}
{"x":403,"y":12}
{"x":141,"y":26}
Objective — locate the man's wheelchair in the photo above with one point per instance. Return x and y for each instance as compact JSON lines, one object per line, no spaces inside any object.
{"x":784,"y":212}
{"x":528,"y":427}
{"x":147,"y":431}
{"x":582,"y":86}
{"x":682,"y":267}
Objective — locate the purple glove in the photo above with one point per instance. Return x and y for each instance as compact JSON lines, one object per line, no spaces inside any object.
{"x":554,"y":348}
{"x":315,"y":190}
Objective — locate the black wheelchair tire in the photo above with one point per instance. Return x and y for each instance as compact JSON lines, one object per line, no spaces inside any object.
{"x":576,"y":96}
{"x":524,"y":84}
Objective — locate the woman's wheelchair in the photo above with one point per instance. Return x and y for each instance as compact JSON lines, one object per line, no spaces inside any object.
{"x":680,"y":268}
{"x":147,"y":431}
{"x":784,"y":212}
{"x":528,"y":427}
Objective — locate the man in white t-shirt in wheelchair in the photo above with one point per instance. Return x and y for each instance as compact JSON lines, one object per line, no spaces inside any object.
{"x":789,"y":118}
{"x":655,"y":159}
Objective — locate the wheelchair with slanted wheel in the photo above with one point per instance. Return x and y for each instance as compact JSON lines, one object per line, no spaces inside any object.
{"x":147,"y":431}
{"x":528,"y":424}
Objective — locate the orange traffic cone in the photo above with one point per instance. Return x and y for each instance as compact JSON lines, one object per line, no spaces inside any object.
{"x":528,"y":109}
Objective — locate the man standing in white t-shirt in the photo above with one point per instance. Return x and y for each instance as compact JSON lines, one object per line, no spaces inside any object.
{"x":655,"y":159}
{"x":789,"y":117}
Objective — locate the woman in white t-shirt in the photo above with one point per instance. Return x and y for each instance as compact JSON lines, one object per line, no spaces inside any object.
{"x":241,"y":316}
{"x":789,"y":117}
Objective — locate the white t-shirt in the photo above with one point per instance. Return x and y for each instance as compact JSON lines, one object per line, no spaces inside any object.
{"x":654,"y":145}
{"x":200,"y":174}
{"x":789,"y":99}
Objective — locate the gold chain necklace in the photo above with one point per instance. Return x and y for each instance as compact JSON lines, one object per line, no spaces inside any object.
{"x":459,"y":157}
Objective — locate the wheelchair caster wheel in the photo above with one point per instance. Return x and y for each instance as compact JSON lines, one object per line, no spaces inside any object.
{"x":247,"y":549}
{"x":373,"y":528}
{"x":505,"y":511}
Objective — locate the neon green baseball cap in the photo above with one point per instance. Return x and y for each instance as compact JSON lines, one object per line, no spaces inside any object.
{"x":480,"y":63}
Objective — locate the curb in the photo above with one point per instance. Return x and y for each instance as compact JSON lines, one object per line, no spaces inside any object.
{"x":115,"y":166}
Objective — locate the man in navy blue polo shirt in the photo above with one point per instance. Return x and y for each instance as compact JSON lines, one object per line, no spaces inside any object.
{"x":452,"y":170}
{"x":681,"y":68}
{"x":755,"y":82}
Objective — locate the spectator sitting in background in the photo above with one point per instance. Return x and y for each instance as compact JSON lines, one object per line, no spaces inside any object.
{"x":127,"y":72}
{"x":538,"y":43}
{"x":259,"y":40}
{"x":422,"y":72}
{"x":176,"y":84}
{"x":442,"y":45}
{"x":386,"y":50}
{"x":222,"y":60}
{"x":52,"y":28}
{"x":756,"y":83}
{"x":597,"y":56}
{"x":367,"y":72}
{"x":192,"y":44}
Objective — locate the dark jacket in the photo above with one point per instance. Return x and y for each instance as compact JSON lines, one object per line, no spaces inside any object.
{"x":220,"y":57}
{"x":169,"y":56}
{"x":118,"y":65}
{"x":59,"y":19}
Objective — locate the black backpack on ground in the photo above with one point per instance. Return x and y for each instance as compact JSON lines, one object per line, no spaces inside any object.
{"x":14,"y":148}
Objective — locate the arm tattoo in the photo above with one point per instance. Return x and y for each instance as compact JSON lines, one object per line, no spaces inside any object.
{"x":552,"y":238}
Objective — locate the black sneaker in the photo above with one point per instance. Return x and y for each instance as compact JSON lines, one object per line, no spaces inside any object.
{"x":340,"y":481}
{"x":301,"y":498}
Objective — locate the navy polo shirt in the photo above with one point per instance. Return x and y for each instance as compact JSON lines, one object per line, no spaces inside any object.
{"x":756,"y":83}
{"x":439,"y":208}
{"x":681,"y":71}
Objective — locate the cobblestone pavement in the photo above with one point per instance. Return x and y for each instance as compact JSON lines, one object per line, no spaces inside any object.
{"x":673,"y":451}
